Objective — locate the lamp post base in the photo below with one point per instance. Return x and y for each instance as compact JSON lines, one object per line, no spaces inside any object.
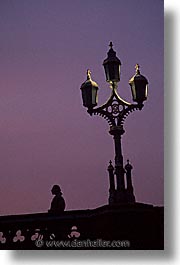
{"x":121,"y":197}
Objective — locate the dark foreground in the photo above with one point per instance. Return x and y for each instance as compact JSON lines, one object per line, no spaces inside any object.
{"x":132,"y":226}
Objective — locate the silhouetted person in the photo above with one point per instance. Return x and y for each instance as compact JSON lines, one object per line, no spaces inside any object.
{"x":58,"y":203}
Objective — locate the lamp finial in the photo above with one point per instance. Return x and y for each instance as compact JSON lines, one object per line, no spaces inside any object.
{"x":137,"y":69}
{"x":88,"y":74}
{"x":111,"y":44}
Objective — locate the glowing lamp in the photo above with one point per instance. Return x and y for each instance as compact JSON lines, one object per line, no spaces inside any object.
{"x":89,"y":92}
{"x":112,"y":66}
{"x":139,"y":86}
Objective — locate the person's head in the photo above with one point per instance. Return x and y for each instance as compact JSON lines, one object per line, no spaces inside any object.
{"x":56,"y":190}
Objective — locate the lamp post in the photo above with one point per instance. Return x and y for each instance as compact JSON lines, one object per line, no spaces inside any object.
{"x":115,"y":111}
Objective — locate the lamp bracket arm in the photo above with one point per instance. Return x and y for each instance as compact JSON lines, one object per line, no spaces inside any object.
{"x":121,"y":101}
{"x":114,"y":96}
{"x":107,"y":103}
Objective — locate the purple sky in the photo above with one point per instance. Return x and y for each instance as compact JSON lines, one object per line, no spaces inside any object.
{"x":46,"y":136}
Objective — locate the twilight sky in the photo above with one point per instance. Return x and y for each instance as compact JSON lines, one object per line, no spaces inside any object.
{"x":46,"y":136}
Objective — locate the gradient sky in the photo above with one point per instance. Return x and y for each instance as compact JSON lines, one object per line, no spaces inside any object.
{"x":46,"y":136}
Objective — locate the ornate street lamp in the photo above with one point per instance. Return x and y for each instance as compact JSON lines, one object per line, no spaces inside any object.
{"x":139,"y":86}
{"x":115,"y":111}
{"x":89,"y":92}
{"x":112,"y":66}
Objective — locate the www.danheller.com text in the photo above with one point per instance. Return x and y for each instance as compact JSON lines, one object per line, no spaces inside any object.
{"x":83,"y":243}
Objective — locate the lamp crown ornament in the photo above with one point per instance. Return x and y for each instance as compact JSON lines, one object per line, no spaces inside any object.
{"x":110,"y":167}
{"x":112,"y":54}
{"x":128,"y":166}
{"x":111,"y":44}
{"x":88,"y":74}
{"x":137,"y":66}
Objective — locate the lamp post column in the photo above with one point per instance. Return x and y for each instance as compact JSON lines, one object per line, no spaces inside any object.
{"x":117,"y":132}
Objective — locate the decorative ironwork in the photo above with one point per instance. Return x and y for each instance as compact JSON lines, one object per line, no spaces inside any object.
{"x":2,"y":238}
{"x":115,"y":110}
{"x":18,"y":237}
